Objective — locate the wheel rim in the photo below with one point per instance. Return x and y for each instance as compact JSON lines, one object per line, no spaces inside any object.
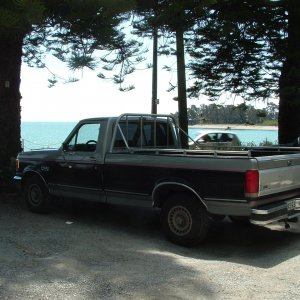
{"x":35,"y":195}
{"x":180,"y":220}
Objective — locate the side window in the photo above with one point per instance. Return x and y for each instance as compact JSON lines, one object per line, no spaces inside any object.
{"x":225,"y":137}
{"x":85,"y":138}
{"x":205,"y":138}
{"x":209,"y":138}
{"x":230,"y":137}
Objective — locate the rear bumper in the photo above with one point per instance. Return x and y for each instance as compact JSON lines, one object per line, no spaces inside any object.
{"x":276,"y":211}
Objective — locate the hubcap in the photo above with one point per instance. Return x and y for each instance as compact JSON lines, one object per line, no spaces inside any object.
{"x":180,"y":220}
{"x":35,"y":195}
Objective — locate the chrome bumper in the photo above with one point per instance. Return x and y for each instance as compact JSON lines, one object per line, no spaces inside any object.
{"x":274,"y":212}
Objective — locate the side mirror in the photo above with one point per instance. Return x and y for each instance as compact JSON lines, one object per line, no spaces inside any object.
{"x":64,"y":147}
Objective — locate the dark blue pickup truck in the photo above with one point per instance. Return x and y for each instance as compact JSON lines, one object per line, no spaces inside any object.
{"x":137,"y":160}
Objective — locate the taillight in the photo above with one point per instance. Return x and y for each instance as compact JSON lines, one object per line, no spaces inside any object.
{"x":17,"y":164}
{"x":252,"y":183}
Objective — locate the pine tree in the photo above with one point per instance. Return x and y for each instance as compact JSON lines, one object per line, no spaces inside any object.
{"x":176,"y":18}
{"x":249,"y":48}
{"x":70,"y":30}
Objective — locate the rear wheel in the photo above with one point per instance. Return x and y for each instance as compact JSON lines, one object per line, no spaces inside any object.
{"x":36,"y":195}
{"x":185,"y":220}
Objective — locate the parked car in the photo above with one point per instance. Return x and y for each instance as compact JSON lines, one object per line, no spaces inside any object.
{"x":221,"y":138}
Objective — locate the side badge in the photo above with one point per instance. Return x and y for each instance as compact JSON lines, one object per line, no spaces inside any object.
{"x":45,"y":168}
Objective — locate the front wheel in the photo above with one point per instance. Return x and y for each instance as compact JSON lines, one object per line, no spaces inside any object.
{"x":37,"y":196}
{"x":185,"y":220}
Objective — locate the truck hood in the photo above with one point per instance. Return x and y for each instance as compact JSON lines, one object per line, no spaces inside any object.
{"x":40,"y":154}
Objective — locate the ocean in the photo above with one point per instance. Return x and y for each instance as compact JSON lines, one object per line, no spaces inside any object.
{"x":40,"y":135}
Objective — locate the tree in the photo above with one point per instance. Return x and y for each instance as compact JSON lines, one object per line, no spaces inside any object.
{"x":289,"y":82}
{"x":230,"y":114}
{"x":232,"y":52}
{"x":15,"y":23}
{"x":250,"y":48}
{"x":176,"y":18}
{"x":146,"y":26}
{"x":70,"y":30}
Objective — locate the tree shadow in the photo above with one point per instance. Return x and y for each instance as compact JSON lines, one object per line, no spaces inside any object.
{"x":263,"y":247}
{"x":90,"y":252}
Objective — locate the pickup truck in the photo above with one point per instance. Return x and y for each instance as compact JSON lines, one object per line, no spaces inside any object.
{"x":136,"y":159}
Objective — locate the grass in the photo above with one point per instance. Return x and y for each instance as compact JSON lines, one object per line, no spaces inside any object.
{"x":269,"y":123}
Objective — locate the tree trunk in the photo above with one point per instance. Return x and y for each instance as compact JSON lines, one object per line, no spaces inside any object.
{"x":154,"y":73}
{"x":289,"y":83}
{"x":182,"y":102}
{"x":10,"y":116}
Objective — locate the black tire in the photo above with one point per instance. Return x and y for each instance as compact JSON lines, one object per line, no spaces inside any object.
{"x":37,"y":196}
{"x":185,"y":220}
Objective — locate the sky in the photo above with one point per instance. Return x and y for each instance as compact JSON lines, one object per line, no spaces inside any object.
{"x":90,"y":96}
{"x":95,"y":97}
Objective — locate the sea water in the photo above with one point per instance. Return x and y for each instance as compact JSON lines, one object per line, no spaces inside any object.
{"x":40,"y":135}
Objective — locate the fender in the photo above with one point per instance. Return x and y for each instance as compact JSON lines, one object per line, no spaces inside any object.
{"x":162,"y":187}
{"x":28,"y":172}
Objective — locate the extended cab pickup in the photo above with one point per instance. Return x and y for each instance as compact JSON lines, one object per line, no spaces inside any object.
{"x":137,"y":160}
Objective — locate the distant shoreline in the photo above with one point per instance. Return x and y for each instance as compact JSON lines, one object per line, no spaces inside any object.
{"x":234,"y":126}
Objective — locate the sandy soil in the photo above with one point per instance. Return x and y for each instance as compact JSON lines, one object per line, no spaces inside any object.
{"x":110,"y":252}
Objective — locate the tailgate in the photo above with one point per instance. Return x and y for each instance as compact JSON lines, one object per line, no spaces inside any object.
{"x":279,"y":173}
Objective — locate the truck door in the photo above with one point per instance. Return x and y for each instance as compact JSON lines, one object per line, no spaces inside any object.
{"x":81,"y":166}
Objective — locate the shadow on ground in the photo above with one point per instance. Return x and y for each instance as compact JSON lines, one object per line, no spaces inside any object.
{"x":251,"y":245}
{"x":263,"y":247}
{"x":88,"y":250}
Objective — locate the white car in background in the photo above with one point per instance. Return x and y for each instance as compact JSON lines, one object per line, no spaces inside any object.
{"x":215,"y":138}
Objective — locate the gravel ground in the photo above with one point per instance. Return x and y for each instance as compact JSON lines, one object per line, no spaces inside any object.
{"x":107,"y":252}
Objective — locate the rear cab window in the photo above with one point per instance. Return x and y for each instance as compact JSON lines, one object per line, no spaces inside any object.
{"x":145,"y":134}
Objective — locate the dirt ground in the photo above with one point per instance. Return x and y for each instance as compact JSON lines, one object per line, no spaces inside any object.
{"x":97,"y":251}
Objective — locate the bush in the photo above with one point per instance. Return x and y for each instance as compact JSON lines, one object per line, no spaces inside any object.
{"x":269,"y":123}
{"x":266,"y":143}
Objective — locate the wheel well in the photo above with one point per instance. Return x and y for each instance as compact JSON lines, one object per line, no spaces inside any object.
{"x":163,"y":191}
{"x":28,"y":175}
